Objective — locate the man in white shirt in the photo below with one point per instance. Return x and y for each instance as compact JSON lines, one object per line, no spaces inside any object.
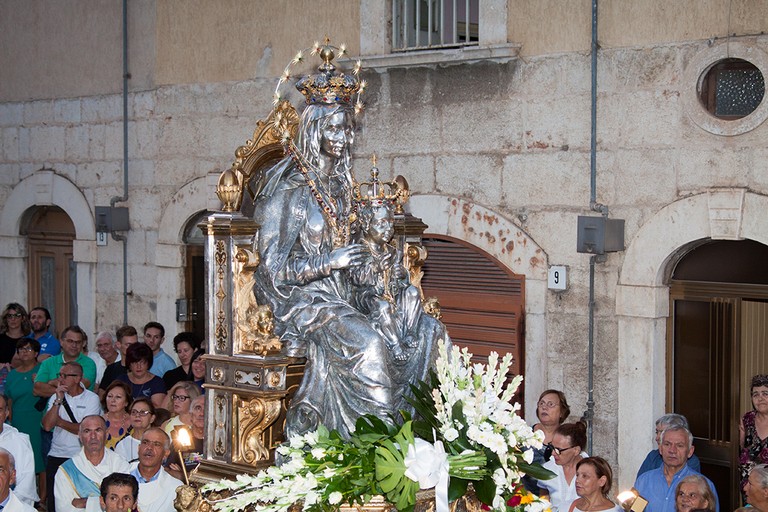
{"x":157,"y":489}
{"x":78,"y":481}
{"x":66,"y":409}
{"x":105,"y":354}
{"x":8,"y":500}
{"x":17,"y":443}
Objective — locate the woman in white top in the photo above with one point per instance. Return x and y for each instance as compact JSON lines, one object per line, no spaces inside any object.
{"x":567,"y":445}
{"x":142,"y":417}
{"x":593,"y":483}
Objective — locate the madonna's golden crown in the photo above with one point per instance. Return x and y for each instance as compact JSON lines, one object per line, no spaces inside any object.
{"x":329,"y":85}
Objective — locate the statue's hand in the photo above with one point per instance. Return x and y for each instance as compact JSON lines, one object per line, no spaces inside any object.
{"x":349,"y":256}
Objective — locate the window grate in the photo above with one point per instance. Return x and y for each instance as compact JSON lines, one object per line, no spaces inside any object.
{"x":431,"y":24}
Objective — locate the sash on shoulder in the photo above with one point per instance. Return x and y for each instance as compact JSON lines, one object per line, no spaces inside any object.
{"x":84,"y":486}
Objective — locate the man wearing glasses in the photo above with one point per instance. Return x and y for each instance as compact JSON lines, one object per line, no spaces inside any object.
{"x":67,"y":407}
{"x":72,"y":340}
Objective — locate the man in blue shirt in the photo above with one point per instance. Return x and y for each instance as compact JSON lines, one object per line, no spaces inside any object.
{"x":40,"y":318}
{"x":658,"y":485}
{"x":154,"y":335}
{"x":653,"y":459}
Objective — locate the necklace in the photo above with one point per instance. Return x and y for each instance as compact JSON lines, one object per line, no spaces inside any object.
{"x":340,"y":227}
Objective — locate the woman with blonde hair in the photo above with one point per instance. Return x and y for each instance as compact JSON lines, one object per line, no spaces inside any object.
{"x":179,"y":399}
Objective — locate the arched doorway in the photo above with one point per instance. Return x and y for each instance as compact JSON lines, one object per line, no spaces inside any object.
{"x":52,"y":273}
{"x":193,"y":303}
{"x":482,"y":302}
{"x":717,"y":329}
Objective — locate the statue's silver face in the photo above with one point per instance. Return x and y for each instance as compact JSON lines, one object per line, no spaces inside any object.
{"x":337,"y":135}
{"x":381,"y":228}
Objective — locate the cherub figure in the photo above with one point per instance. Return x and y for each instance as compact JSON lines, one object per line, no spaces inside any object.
{"x":381,"y":289}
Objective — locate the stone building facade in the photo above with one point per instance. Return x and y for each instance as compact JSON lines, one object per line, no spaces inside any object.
{"x":494,"y":140}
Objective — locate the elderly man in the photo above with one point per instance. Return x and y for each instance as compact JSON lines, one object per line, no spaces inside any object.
{"x":17,"y":443}
{"x":157,"y":488}
{"x":78,"y":480}
{"x":8,"y":500}
{"x":126,"y":336}
{"x":66,"y":409}
{"x":653,"y":459}
{"x":106,"y":353}
{"x":658,"y":485}
{"x":119,"y":493}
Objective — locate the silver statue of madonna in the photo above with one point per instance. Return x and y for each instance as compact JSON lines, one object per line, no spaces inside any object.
{"x":305,"y":210}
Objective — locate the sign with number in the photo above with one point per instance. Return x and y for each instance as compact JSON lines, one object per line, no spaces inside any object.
{"x":556,"y":279}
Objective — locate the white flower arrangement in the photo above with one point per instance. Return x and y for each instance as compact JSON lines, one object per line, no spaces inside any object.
{"x":468,"y":431}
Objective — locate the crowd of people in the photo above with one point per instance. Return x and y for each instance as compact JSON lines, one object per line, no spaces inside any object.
{"x":95,"y":430}
{"x":669,"y":478}
{"x":98,"y":430}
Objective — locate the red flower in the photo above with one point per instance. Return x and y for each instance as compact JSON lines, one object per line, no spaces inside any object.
{"x":514,"y":501}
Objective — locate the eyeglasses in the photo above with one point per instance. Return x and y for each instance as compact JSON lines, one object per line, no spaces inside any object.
{"x":13,"y":315}
{"x":25,"y":349}
{"x":559,"y":451}
{"x":689,"y":495}
{"x":548,"y":405}
{"x":182,"y":398}
{"x":140,"y":413}
{"x":65,"y":375}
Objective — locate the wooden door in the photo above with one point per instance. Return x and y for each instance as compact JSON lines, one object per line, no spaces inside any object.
{"x":52,"y":271}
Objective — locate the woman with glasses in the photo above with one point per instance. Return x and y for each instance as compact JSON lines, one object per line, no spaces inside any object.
{"x":21,"y":402}
{"x":753,"y":430}
{"x":138,"y":360}
{"x":593,"y":483}
{"x":14,"y":325}
{"x":142,"y":417}
{"x":179,"y":400}
{"x":116,"y":404}
{"x":552,"y":409}
{"x":693,"y":493}
{"x":567,"y":450}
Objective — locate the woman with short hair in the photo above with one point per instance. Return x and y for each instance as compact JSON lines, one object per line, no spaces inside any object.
{"x":138,"y":360}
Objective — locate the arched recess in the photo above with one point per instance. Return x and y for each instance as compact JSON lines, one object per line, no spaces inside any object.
{"x":192,"y":198}
{"x":46,"y":188}
{"x":642,"y":302}
{"x":513,"y":248}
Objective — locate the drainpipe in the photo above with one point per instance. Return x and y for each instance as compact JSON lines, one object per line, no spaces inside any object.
{"x":594,"y":205}
{"x":124,"y":197}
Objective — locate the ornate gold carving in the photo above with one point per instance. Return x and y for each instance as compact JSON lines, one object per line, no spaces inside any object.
{"x":254,"y":323}
{"x":220,"y":428}
{"x":217,"y":374}
{"x":414,"y":257}
{"x":274,"y":379}
{"x":220,"y":260}
{"x":252,"y":417}
{"x":189,"y":499}
{"x":265,"y":146}
{"x":432,"y":307}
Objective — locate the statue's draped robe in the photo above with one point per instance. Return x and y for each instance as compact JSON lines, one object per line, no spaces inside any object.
{"x":349,"y":370}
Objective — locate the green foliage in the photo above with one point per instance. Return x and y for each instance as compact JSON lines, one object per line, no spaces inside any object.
{"x":390,"y":469}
